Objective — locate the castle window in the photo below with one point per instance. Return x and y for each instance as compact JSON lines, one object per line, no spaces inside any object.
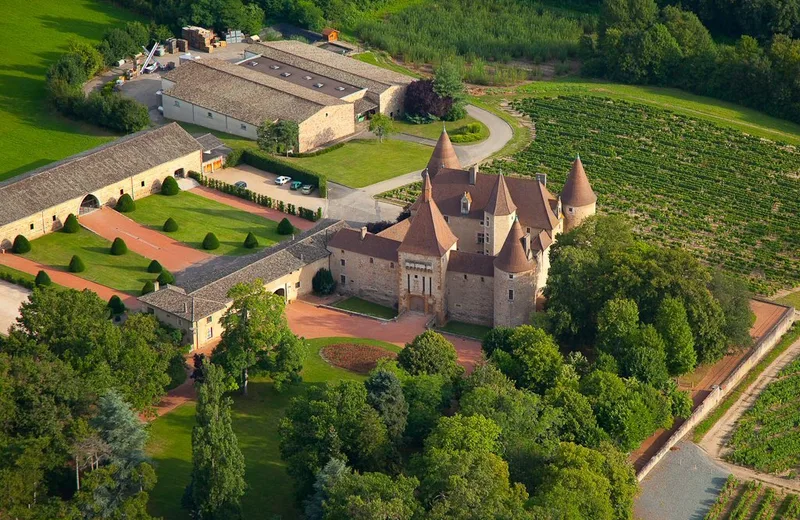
{"x":210,"y":115}
{"x":244,"y":126}
{"x":31,"y":227}
{"x":210,"y":333}
{"x":481,"y":278}
{"x":570,"y":209}
{"x":342,"y":261}
{"x":481,"y":238}
{"x":343,"y":279}
{"x":142,"y":184}
{"x":297,"y":285}
{"x":391,"y":265}
{"x":54,"y":218}
{"x":511,"y":294}
{"x":511,"y":277}
{"x":121,"y":192}
{"x":528,"y":230}
{"x":371,"y":260}
{"x":446,"y":218}
{"x":209,"y":319}
{"x":465,"y":277}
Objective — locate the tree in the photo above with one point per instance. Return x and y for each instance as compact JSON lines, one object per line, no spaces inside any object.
{"x":370,"y":496}
{"x":326,"y":478}
{"x":250,"y":241}
{"x":422,"y":101}
{"x":427,"y":397}
{"x":116,"y":305}
{"x":285,"y":362}
{"x":534,"y":362}
{"x":217,"y":481}
{"x":42,"y":279}
{"x":90,"y":57}
{"x":170,"y":226}
{"x":497,"y":338}
{"x":165,"y":277}
{"x":448,"y":84}
{"x":285,"y":227}
{"x":673,"y":326}
{"x":76,"y":265}
{"x":170,"y":186}
{"x":71,"y":224}
{"x":252,"y":19}
{"x":154,"y":267}
{"x":628,"y":14}
{"x":381,"y":125}
{"x":21,"y":245}
{"x":385,"y":394}
{"x":646,"y":357}
{"x":690,"y":33}
{"x":323,"y":282}
{"x":210,"y":242}
{"x":118,"y":247}
{"x":734,"y":299}
{"x":280,"y":136}
{"x":125,"y":204}
{"x":430,"y":353}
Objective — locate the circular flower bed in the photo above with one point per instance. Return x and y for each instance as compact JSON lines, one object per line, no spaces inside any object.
{"x":354,"y":357}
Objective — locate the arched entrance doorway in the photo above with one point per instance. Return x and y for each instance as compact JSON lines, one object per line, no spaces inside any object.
{"x":88,"y":204}
{"x":281,"y":292}
{"x":416,"y":303}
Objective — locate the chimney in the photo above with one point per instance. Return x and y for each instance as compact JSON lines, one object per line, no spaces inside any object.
{"x":542,"y":178}
{"x":363,"y":232}
{"x":156,"y":285}
{"x":526,"y":244}
{"x":473,"y":174}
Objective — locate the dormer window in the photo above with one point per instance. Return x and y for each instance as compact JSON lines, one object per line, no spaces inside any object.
{"x":466,"y":203}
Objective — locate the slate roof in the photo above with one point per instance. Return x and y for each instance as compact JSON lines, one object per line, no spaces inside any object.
{"x":246,"y":95}
{"x":577,"y":191}
{"x":371,"y":245}
{"x":84,"y":173}
{"x":175,"y":301}
{"x":513,"y":258}
{"x":444,"y":155}
{"x":364,"y":105}
{"x":471,"y":263}
{"x":428,"y":233}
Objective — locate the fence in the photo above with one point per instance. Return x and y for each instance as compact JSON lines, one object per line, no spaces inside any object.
{"x":764,"y":345}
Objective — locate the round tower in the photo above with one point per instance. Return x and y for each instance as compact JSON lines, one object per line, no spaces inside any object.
{"x":578,"y":201}
{"x":443,"y":156}
{"x":498,"y":217}
{"x":514,"y":280}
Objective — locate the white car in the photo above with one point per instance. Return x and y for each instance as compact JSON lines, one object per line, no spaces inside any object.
{"x":280,"y":181}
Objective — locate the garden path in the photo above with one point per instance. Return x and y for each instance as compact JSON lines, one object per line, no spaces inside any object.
{"x":252,"y":207}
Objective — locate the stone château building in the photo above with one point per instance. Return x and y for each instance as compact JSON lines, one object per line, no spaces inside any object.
{"x":475,"y":249}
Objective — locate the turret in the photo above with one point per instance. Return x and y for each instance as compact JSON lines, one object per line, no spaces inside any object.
{"x":444,"y":155}
{"x":498,"y":216}
{"x":514,"y":280}
{"x":577,"y":198}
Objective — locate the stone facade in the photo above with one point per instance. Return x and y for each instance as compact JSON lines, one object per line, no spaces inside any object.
{"x":329,"y":124}
{"x":391,"y":102}
{"x":514,"y":298}
{"x":496,"y":230}
{"x":364,"y":276}
{"x":574,"y":215}
{"x":470,"y":298}
{"x":423,"y":285}
{"x":470,"y":233}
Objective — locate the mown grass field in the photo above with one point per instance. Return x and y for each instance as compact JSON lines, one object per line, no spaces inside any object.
{"x":36,"y":31}
{"x":434,"y":130}
{"x":362,"y":306}
{"x":198,"y":215}
{"x":380,"y":59}
{"x":255,"y":421}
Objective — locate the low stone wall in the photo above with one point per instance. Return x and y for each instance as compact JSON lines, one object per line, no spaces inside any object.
{"x":764,"y":345}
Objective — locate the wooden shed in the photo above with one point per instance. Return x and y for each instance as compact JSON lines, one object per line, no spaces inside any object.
{"x":330,"y":34}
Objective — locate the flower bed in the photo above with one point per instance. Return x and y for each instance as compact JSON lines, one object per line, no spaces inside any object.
{"x":354,"y":357}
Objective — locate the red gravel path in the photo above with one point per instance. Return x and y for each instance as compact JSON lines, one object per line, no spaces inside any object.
{"x":251,"y":207}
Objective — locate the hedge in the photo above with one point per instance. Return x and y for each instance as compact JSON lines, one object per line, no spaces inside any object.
{"x":118,"y":247}
{"x":17,"y":280}
{"x":267,"y":162}
{"x":148,"y":287}
{"x":250,"y":241}
{"x":210,"y":241}
{"x":154,"y":267}
{"x":170,"y":225}
{"x":21,"y":245}
{"x":125,"y":204}
{"x":319,"y":152}
{"x":170,"y":186}
{"x":42,"y":279}
{"x":165,"y":278}
{"x":71,"y":224}
{"x":116,"y":305}
{"x":76,"y":265}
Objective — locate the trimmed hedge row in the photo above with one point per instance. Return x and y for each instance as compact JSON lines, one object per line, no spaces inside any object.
{"x":17,"y":280}
{"x":267,"y":162}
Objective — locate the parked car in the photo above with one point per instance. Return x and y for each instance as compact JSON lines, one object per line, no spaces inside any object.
{"x":240,"y":184}
{"x":295,"y":185}
{"x":280,"y":181}
{"x":307,"y":189}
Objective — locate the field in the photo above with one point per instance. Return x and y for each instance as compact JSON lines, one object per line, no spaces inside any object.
{"x":360,"y":163}
{"x":752,"y":501}
{"x":126,"y":273}
{"x":364,"y":307}
{"x":255,"y":421}
{"x":380,"y":59}
{"x":729,"y":197}
{"x":434,"y":130}
{"x":32,"y":135}
{"x":198,"y":215}
{"x":466,"y":329}
{"x":766,"y":436}
{"x":792,"y":299}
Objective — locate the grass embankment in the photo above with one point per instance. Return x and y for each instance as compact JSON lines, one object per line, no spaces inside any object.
{"x":198,"y":215}
{"x":255,"y":420}
{"x":360,"y":306}
{"x":792,"y":299}
{"x":704,"y":426}
{"x":126,"y":273}
{"x":469,"y":330}
{"x":434,"y":130}
{"x":31,"y":134}
{"x":381,"y":59}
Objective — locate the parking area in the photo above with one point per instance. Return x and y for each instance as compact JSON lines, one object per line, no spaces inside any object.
{"x":264,"y":183}
{"x":11,"y":297}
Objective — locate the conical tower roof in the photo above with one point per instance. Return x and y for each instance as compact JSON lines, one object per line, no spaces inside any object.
{"x":513,"y":258}
{"x":444,"y":155}
{"x":428,"y":233}
{"x":500,"y":202}
{"x":577,"y":190}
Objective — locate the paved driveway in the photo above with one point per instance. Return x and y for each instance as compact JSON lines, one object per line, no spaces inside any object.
{"x":11,"y":297}
{"x":263,"y":182}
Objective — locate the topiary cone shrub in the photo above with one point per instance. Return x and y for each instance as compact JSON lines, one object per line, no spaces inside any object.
{"x":170,"y":186}
{"x":148,"y":287}
{"x":116,"y":305}
{"x":250,"y":241}
{"x":210,"y":242}
{"x":323,"y":282}
{"x":285,"y":227}
{"x":76,"y":265}
{"x":165,"y":277}
{"x":154,"y":267}
{"x":42,"y":279}
{"x":170,"y":225}
{"x":125,"y":204}
{"x":21,"y":245}
{"x":118,"y":248}
{"x":71,"y":224}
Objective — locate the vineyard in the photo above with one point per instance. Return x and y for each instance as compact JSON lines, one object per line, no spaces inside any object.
{"x":752,"y":501}
{"x":766,"y":437}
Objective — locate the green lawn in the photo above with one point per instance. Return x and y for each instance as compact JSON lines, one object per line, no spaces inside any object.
{"x":31,"y":134}
{"x":792,"y":299}
{"x":127,"y":273}
{"x":255,"y":421}
{"x":360,"y":306}
{"x":360,"y":163}
{"x":466,"y":329}
{"x":198,"y":215}
{"x":15,"y":274}
{"x":383,"y":60}
{"x":434,"y":130}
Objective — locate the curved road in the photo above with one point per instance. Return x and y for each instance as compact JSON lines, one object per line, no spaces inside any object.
{"x":361,"y":205}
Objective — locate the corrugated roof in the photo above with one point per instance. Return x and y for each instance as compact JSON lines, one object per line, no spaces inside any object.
{"x":444,"y":155}
{"x":471,"y":263}
{"x":513,"y":258}
{"x":371,"y":245}
{"x":428,"y":233}
{"x":84,"y":173}
{"x":577,"y":191}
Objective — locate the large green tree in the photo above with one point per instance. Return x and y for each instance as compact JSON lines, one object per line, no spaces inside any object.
{"x":385,"y":394}
{"x":533,"y":361}
{"x":372,"y":496}
{"x":430,"y":353}
{"x":673,"y":325}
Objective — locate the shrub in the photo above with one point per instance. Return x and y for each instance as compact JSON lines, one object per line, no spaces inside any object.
{"x":285,"y":227}
{"x":42,"y":279}
{"x":170,"y":225}
{"x":250,"y":241}
{"x":170,"y":186}
{"x":210,"y":241}
{"x":323,"y":282}
{"x":429,"y":353}
{"x":76,"y":265}
{"x":148,"y":287}
{"x":125,"y":204}
{"x":165,"y":277}
{"x":71,"y":224}
{"x":118,"y":247}
{"x":116,"y":305}
{"x":154,"y":267}
{"x":21,"y":245}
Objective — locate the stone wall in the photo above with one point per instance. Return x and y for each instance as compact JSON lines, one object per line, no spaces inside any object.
{"x":470,"y":298}
{"x":196,"y":114}
{"x":498,"y":227}
{"x":466,"y":230}
{"x":392,"y":101}
{"x":574,"y":215}
{"x":516,"y":312}
{"x":330,"y":123}
{"x":424,"y":289}
{"x":373,"y":279}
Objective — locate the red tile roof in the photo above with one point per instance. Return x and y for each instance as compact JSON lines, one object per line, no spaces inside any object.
{"x":371,"y":245}
{"x":500,"y":202}
{"x":577,"y":191}
{"x":513,"y":258}
{"x":444,"y":155}
{"x":428,"y":233}
{"x":471,"y":263}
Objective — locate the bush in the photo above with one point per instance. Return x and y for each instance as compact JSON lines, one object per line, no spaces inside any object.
{"x":421,"y":100}
{"x":113,"y":110}
{"x":118,"y":247}
{"x":148,"y":287}
{"x":170,"y":186}
{"x":285,"y":227}
{"x":71,"y":224}
{"x":125,"y":204}
{"x":76,"y":265}
{"x":430,"y":353}
{"x":154,"y":267}
{"x":210,"y":242}
{"x":42,"y":279}
{"x":21,"y":245}
{"x":170,"y":225}
{"x":323,"y":282}
{"x":250,"y":241}
{"x":165,"y":277}
{"x":116,"y":305}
